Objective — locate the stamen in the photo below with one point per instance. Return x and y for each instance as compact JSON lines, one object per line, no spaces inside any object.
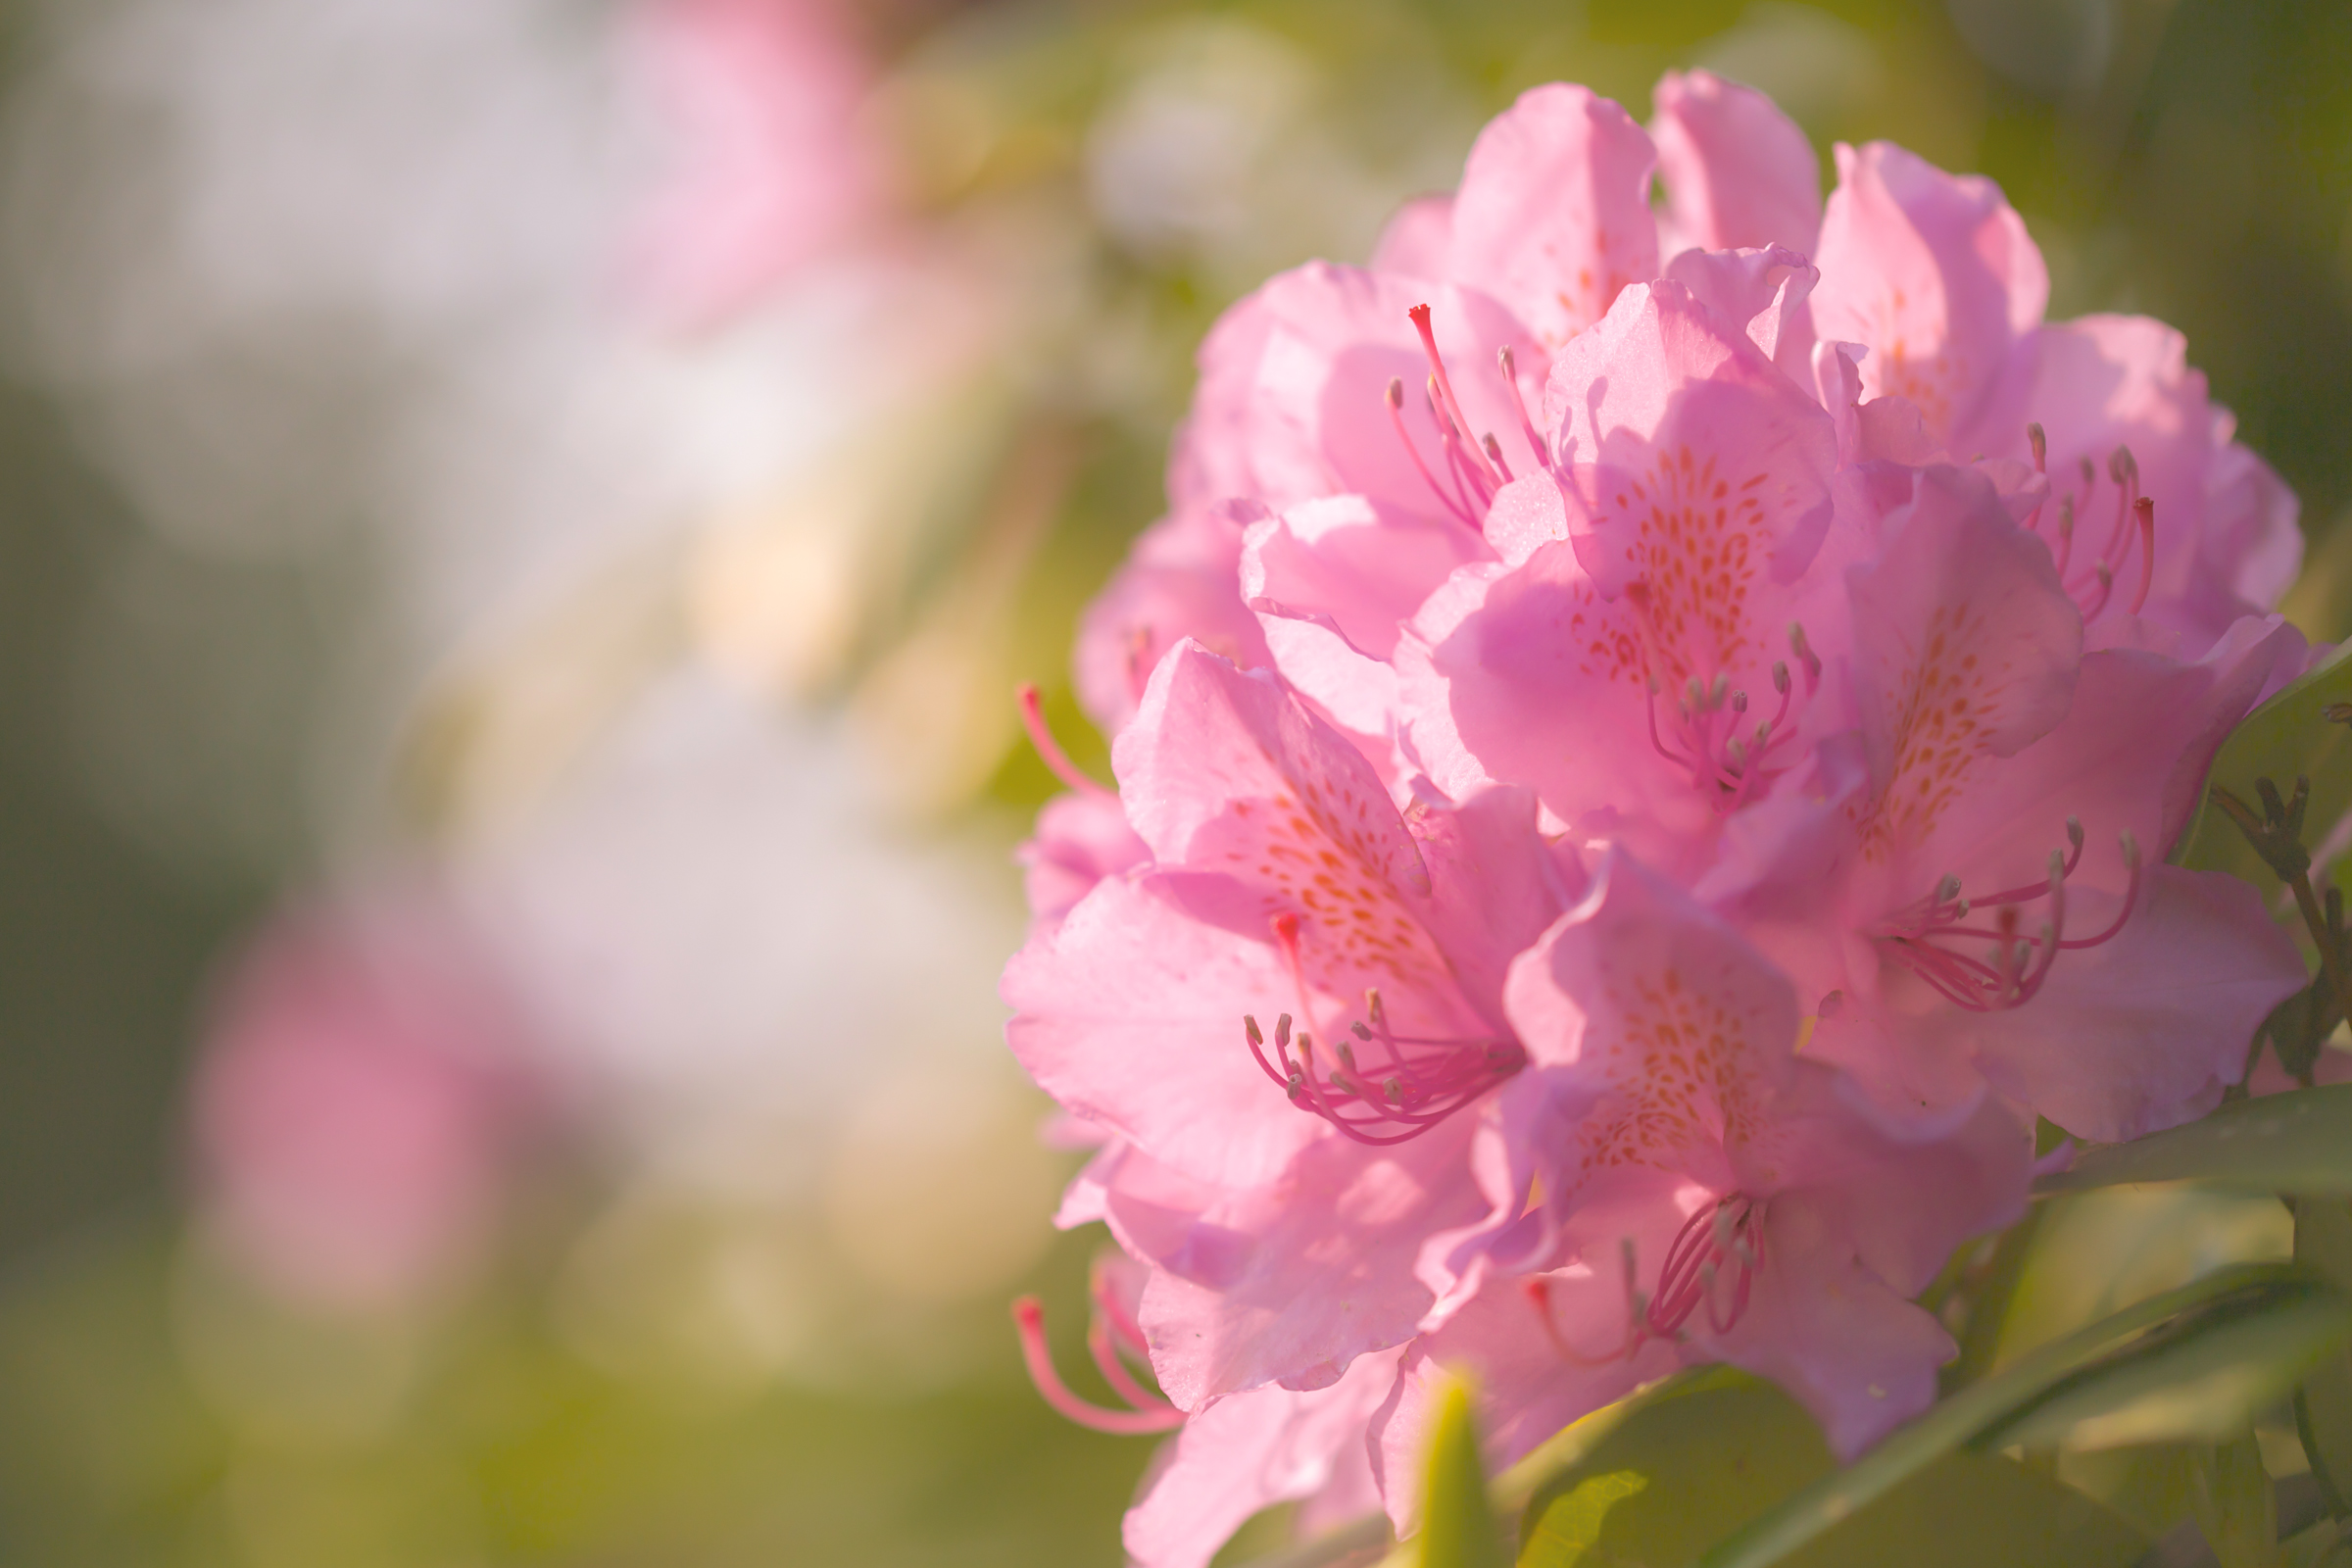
{"x":1048,"y":750}
{"x":2144,"y":509}
{"x":1437,"y":367}
{"x":2066,"y":531}
{"x":1151,"y":1416}
{"x":1493,"y":451}
{"x":2020,"y":964}
{"x":1421,"y":1079}
{"x":1395,"y":402}
{"x":1527,"y":426}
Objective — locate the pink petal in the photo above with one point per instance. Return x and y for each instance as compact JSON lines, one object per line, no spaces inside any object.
{"x":1686,"y":448}
{"x":1934,"y":273}
{"x":1130,"y":1015}
{"x":1762,"y":293}
{"x":1553,"y":214}
{"x":1178,"y":582}
{"x":2144,"y":1032}
{"x":1418,"y":240}
{"x":1290,"y":1282}
{"x":1213,"y":745}
{"x":1682,"y":1025}
{"x":1965,"y":649}
{"x":1332,"y":581}
{"x":1853,"y":1350}
{"x":1292,"y":403}
{"x":1080,"y":839}
{"x":1247,"y":1452}
{"x":1739,"y":173}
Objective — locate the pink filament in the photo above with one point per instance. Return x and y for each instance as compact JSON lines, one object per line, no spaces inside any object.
{"x":1711,"y":1242}
{"x":1048,"y":750}
{"x":2020,"y":963}
{"x":1151,"y":1415}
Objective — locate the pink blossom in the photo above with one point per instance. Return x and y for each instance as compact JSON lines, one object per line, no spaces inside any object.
{"x":1738,"y":174}
{"x":770,"y":162}
{"x":1281,"y":1173}
{"x":1664,"y":560}
{"x":1935,"y":277}
{"x":351,"y":1110}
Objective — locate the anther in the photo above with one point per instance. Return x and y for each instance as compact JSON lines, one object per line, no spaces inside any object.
{"x":1359,"y":1030}
{"x":1948,"y":889}
{"x":2041,"y":448}
{"x":1250,"y":1028}
{"x":1738,"y":702}
{"x":1829,"y":1004}
{"x":1396,"y":392}
{"x":2143,"y":510}
{"x":2121,"y":466}
{"x":1779,"y":676}
{"x":1719,"y":691}
{"x":1527,"y":426}
{"x":1282,"y":1032}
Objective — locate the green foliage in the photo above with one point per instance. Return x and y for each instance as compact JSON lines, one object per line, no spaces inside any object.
{"x":1457,"y":1529}
{"x":1678,"y":1473}
{"x":2136,"y":1348}
{"x":2299,"y":1142}
{"x":2324,"y":1404}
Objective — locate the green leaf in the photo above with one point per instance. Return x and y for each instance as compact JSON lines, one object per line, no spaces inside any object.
{"x":1458,"y":1527}
{"x":1978,"y":1411}
{"x":2202,"y":1377}
{"x":1674,"y":1475}
{"x":2299,"y":1142}
{"x":2324,"y":1404}
{"x":2285,"y":739}
{"x":1677,"y":1473}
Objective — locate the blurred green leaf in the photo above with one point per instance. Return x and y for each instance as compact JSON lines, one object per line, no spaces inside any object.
{"x":2236,"y":1506}
{"x":1682,"y":1472}
{"x":2203,"y":1376}
{"x":1457,"y":1529}
{"x":2324,"y":1404}
{"x":2299,"y":1142}
{"x":2285,"y":739}
{"x":1978,"y":1414}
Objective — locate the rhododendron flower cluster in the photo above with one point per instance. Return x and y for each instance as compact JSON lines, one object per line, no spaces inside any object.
{"x":1646,"y":753}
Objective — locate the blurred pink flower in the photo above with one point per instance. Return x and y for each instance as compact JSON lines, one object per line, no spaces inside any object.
{"x":354,"y":1107}
{"x":771,"y":159}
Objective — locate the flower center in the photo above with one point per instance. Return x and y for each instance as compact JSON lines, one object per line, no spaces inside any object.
{"x":1393,"y":1089}
{"x":1710,"y":1267}
{"x":1931,"y":936}
{"x":1706,"y":732}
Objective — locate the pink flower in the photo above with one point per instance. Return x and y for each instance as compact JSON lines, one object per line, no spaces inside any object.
{"x":771,"y":165}
{"x":1934,"y":275}
{"x":1664,"y":560}
{"x":1281,"y":1173}
{"x":352,"y":1109}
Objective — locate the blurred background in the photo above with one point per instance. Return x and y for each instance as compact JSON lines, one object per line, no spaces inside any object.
{"x":519,"y":522}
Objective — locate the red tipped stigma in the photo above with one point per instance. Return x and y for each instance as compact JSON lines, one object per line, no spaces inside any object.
{"x":1151,"y":1413}
{"x":1473,"y":464}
